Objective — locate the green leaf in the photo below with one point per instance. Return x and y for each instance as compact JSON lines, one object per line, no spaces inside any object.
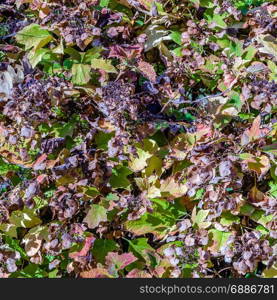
{"x":262,"y":230}
{"x":199,"y":218}
{"x":35,"y":57}
{"x":90,"y":191}
{"x":235,"y":101}
{"x":33,"y":271}
{"x":15,"y":245}
{"x":95,"y":216}
{"x":270,"y":148}
{"x":53,"y":274}
{"x":273,"y":189}
{"x":236,"y":48}
{"x":9,"y":229}
{"x":6,"y":167}
{"x":24,"y":218}
{"x":228,"y":219}
{"x":215,"y":18}
{"x":104,"y":3}
{"x":102,"y":247}
{"x":154,"y":165}
{"x":176,"y":37}
{"x":178,"y":51}
{"x":140,"y":247}
{"x":74,"y":54}
{"x":271,"y":272}
{"x":81,"y":73}
{"x":33,"y":36}
{"x":40,"y":202}
{"x":247,"y":209}
{"x":102,"y":139}
{"x":219,"y":239}
{"x":249,"y":53}
{"x":102,"y":64}
{"x":90,"y":54}
{"x":260,"y":217}
{"x":64,"y":130}
{"x":204,"y":3}
{"x":119,"y":177}
{"x":273,"y":68}
{"x":163,"y":217}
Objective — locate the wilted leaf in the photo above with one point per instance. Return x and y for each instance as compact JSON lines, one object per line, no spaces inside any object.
{"x":269,"y":44}
{"x":136,"y":273}
{"x":170,"y":187}
{"x":147,"y":70}
{"x":33,"y":240}
{"x":256,"y":196}
{"x":8,"y":78}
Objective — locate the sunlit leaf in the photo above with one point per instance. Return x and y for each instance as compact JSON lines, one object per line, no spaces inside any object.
{"x":95,"y":216}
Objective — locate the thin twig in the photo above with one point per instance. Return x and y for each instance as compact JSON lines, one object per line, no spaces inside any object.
{"x":227,"y":268}
{"x":7,"y":36}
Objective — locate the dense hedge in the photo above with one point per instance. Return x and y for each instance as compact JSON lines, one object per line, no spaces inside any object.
{"x":138,"y":138}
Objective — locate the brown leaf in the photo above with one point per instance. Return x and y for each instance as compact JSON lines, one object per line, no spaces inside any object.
{"x":253,"y":133}
{"x":256,"y":196}
{"x":147,"y":70}
{"x":95,"y":273}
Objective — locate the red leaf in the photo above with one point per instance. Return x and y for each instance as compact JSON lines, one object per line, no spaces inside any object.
{"x":41,"y":178}
{"x":84,"y":251}
{"x":125,"y":51}
{"x":136,"y":273}
{"x":120,"y":261}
